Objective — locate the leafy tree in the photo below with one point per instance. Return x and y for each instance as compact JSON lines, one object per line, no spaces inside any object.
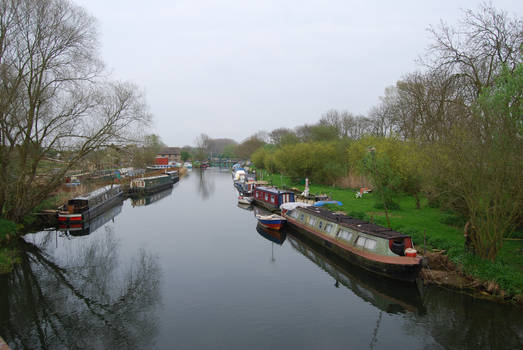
{"x":248,"y":147}
{"x":481,"y":164}
{"x":376,"y":166}
{"x":185,"y":156}
{"x":229,"y":151}
{"x":54,"y":97}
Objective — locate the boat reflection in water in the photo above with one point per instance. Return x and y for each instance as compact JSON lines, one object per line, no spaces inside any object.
{"x":275,"y":236}
{"x":386,"y":294}
{"x":245,"y":206}
{"x":88,"y":227}
{"x":150,"y":199}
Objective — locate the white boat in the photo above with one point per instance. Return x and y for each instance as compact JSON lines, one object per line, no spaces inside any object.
{"x":245,"y":199}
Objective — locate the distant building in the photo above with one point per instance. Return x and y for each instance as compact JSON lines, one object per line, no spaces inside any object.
{"x":173,"y":154}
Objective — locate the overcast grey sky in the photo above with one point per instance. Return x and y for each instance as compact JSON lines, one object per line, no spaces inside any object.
{"x":231,"y":68}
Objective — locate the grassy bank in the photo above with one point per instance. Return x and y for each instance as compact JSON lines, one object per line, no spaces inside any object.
{"x":438,"y":229}
{"x":8,"y":233}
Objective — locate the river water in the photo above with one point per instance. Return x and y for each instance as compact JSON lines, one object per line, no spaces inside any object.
{"x":189,"y":269}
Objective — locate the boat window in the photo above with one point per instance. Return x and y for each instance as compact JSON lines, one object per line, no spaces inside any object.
{"x":293,"y":214}
{"x":320,"y":225}
{"x":273,"y":199}
{"x":302,"y":217}
{"x":360,"y":241}
{"x":370,"y":244}
{"x":344,"y":234}
{"x":266,"y":197}
{"x":312,"y":220}
{"x":328,"y":228}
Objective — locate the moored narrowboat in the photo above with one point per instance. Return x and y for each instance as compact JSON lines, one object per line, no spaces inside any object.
{"x":375,"y":248}
{"x":149,"y":185}
{"x":90,"y":205}
{"x":89,"y":226}
{"x":272,"y":198}
{"x":175,"y":176}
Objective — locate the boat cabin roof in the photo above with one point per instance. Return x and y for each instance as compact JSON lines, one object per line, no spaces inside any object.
{"x":272,"y":190}
{"x":96,"y":193}
{"x":152,"y":177}
{"x":355,"y":224}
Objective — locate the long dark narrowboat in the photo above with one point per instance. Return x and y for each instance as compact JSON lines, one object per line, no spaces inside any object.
{"x":375,"y":248}
{"x":271,"y":198}
{"x":90,"y":205}
{"x":175,"y":176}
{"x":88,"y":227}
{"x":148,"y":185}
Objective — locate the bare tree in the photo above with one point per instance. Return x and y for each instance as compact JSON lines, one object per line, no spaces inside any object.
{"x":53,"y":98}
{"x":477,"y":48}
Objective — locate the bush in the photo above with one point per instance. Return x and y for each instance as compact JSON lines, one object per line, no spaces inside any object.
{"x":8,"y":230}
{"x":391,"y":205}
{"x":358,"y":215}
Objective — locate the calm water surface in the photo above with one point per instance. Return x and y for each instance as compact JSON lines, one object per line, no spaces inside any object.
{"x":189,"y":269}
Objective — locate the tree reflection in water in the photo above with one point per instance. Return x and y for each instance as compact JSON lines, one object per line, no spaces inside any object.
{"x":458,"y":321}
{"x":205,"y":187}
{"x":82,"y":300}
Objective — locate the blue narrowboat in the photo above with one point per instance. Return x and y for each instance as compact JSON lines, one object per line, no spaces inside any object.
{"x":271,"y":198}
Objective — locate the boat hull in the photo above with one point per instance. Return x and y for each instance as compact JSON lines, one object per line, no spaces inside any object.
{"x":407,"y":271}
{"x":143,"y":191}
{"x":268,"y":206}
{"x":272,"y":224}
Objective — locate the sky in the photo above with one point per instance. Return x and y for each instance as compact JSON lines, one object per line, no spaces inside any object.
{"x":231,"y":68}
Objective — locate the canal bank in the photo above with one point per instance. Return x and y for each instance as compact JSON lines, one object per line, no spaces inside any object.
{"x":438,"y":235}
{"x":190,"y":270}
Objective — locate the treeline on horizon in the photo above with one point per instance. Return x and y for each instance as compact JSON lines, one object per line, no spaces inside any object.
{"x":451,"y":133}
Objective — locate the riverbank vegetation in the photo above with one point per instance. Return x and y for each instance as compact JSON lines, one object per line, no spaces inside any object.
{"x":444,"y":144}
{"x":432,"y":228}
{"x":55,"y":99}
{"x":59,"y":112}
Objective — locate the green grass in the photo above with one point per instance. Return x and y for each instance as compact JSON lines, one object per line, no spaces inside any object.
{"x":432,"y":223}
{"x":8,"y":233}
{"x":7,"y":259}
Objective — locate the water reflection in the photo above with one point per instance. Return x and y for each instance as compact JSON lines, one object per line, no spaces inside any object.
{"x":247,"y":207}
{"x":86,"y":228}
{"x":205,"y":183}
{"x":82,"y":300}
{"x":387,"y":295}
{"x":458,"y":321}
{"x":275,"y":236}
{"x":150,"y":199}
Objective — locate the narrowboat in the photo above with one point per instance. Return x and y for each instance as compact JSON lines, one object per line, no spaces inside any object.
{"x":271,"y":198}
{"x":87,"y":227}
{"x":148,"y":185}
{"x":89,"y":206}
{"x":175,"y":177}
{"x":375,"y":248}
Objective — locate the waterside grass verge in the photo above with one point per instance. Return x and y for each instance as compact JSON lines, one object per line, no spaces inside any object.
{"x":432,"y":230}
